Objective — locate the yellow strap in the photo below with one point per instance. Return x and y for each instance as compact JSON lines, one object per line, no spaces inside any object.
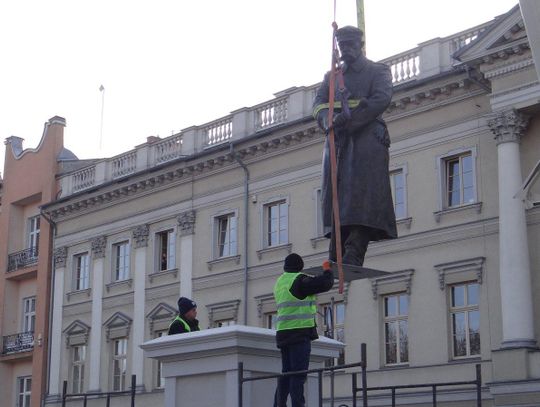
{"x":337,"y":105}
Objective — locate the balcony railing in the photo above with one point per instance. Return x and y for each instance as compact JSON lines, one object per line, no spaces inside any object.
{"x":21,"y":342}
{"x":22,"y":259}
{"x":428,"y":59}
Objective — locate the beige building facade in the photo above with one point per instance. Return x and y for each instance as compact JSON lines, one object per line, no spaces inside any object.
{"x":212,"y":211}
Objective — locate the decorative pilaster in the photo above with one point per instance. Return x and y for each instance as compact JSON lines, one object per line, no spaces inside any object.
{"x":186,"y":229}
{"x":186,"y":223}
{"x":60,"y":256}
{"x":514,"y":263}
{"x":99,"y":245}
{"x":140,"y":236}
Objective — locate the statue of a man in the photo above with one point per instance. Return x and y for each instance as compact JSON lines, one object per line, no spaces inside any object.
{"x":365,"y":198}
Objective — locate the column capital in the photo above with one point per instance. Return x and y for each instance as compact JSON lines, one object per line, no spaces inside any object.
{"x":98,"y":247}
{"x":508,"y":126}
{"x":60,"y":256}
{"x":186,"y":222}
{"x":140,"y":235}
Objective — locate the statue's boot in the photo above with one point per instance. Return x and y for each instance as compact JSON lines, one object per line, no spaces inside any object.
{"x":355,"y":246}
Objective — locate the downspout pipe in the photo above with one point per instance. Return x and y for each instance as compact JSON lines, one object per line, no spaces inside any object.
{"x":246,"y":209}
{"x":51,"y":302}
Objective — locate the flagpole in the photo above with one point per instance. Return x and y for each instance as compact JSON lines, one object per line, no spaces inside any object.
{"x":102,"y":90}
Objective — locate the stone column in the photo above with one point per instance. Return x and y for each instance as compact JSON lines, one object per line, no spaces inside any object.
{"x":60,"y":255}
{"x":514,"y":268}
{"x":140,"y":239}
{"x":186,"y":230}
{"x":99,"y":245}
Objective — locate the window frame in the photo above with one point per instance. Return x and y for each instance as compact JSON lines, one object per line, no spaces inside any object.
{"x":465,"y":309}
{"x":121,"y":263}
{"x":33,"y":232}
{"x":28,"y":314}
{"x":171,"y":254}
{"x":26,"y":392}
{"x":266,"y":221}
{"x":121,"y":359}
{"x":80,"y":365}
{"x":216,"y":233}
{"x":76,"y":271}
{"x":403,"y":169}
{"x":324,"y":327}
{"x":442,"y":165}
{"x":398,"y":318}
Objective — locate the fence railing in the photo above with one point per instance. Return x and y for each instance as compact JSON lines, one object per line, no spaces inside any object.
{"x":85,"y":396}
{"x":20,"y":342}
{"x":364,"y":389}
{"x":218,"y":132}
{"x":124,"y":164}
{"x":22,"y":259}
{"x":83,"y":179}
{"x":271,"y":113}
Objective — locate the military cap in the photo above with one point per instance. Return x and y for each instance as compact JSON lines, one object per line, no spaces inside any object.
{"x":349,"y":33}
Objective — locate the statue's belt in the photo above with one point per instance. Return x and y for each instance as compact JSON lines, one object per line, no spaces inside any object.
{"x":337,"y":105}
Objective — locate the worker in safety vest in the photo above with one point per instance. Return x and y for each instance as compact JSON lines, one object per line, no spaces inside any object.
{"x":295,"y":295}
{"x":186,"y":320}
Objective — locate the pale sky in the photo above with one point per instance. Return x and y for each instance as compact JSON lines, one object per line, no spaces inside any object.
{"x":169,"y":64}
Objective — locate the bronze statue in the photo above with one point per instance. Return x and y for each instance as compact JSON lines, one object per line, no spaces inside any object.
{"x":362,"y":141}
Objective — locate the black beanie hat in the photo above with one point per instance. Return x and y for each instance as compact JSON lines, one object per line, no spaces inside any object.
{"x":293,"y":263}
{"x":185,"y":305}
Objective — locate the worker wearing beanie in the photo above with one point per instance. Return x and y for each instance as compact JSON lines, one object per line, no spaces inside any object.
{"x":295,"y":295}
{"x":186,"y":320}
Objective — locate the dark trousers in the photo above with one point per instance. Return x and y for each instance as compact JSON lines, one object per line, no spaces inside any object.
{"x":294,"y":358}
{"x":354,"y":244}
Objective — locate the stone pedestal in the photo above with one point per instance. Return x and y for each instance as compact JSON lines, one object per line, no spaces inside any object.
{"x":201,"y":368}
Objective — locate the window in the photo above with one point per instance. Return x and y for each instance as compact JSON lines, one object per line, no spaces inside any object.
{"x":159,"y":379}
{"x":334,"y":324}
{"x":166,"y":245}
{"x":77,"y":368}
{"x":277,"y":220}
{"x":396,"y":337}
{"x":465,"y":319}
{"x":270,"y":320}
{"x":119,"y":364}
{"x":81,"y":271}
{"x":226,"y":227}
{"x":121,"y":261}
{"x":29,"y":314}
{"x":24,"y":391}
{"x":459,"y":177}
{"x":397,"y":183}
{"x":33,"y":233}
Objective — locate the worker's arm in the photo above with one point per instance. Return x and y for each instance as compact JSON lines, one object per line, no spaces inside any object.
{"x":305,"y":285}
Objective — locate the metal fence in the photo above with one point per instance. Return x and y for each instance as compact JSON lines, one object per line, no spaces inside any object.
{"x":363,"y":389}
{"x":85,"y":396}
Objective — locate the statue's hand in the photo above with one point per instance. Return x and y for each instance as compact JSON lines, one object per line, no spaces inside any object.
{"x":322,"y":119}
{"x":340,"y":120}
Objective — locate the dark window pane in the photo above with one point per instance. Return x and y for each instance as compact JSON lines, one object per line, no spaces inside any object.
{"x":390,"y":306}
{"x":403,"y":305}
{"x":472,"y":294}
{"x":458,"y":330}
{"x":403,"y":342}
{"x":390,"y":342}
{"x":458,"y":296}
{"x":466,"y":162}
{"x":340,"y":313}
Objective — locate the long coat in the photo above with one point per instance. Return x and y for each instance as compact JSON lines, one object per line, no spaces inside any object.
{"x":365,"y":197}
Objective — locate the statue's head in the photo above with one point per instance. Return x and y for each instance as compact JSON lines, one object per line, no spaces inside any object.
{"x":350,"y":41}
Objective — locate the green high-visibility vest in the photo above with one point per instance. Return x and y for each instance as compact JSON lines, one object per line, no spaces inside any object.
{"x":186,"y":326}
{"x":292,"y":312}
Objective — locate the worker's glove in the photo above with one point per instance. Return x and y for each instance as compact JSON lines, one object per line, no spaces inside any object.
{"x":327,"y":266}
{"x":322,"y":119}
{"x":340,"y":120}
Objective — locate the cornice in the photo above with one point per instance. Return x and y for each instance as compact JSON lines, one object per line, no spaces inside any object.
{"x":509,"y":67}
{"x":189,"y":172}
